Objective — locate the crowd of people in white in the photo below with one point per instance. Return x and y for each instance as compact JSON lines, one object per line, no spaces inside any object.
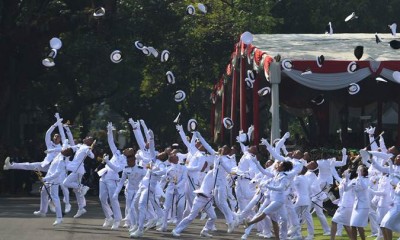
{"x":173,"y":187}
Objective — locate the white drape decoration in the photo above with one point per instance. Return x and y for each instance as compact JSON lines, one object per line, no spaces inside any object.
{"x":329,"y":81}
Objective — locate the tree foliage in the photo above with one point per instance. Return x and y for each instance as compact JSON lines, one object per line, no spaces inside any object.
{"x":84,"y":81}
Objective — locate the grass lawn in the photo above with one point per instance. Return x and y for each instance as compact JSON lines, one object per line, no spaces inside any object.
{"x":318,"y":231}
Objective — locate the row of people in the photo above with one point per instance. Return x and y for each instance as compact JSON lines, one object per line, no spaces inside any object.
{"x":172,"y":186}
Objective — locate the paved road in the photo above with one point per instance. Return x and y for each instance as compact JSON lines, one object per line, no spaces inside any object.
{"x":18,"y":222}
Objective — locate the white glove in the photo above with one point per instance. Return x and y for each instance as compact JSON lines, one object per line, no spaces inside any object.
{"x":287,"y":135}
{"x":238,"y":139}
{"x":142,"y":122}
{"x":109,"y":126}
{"x":57,"y":115}
{"x":265,"y":142}
{"x":105,"y":157}
{"x":134,"y":124}
{"x":344,"y":151}
{"x":370,"y":130}
{"x":131,"y":122}
{"x":179,"y":127}
{"x":250,"y":131}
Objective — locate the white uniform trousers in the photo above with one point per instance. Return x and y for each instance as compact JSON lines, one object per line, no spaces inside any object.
{"x":147,"y":202}
{"x":321,"y":215}
{"x":73,"y":180}
{"x":64,"y":189}
{"x":106,"y":192}
{"x":44,"y":199}
{"x":293,"y":218}
{"x":129,"y":196}
{"x":304,"y":214}
{"x":35,"y":166}
{"x":174,"y":202}
{"x":134,"y":209}
{"x":247,"y":211}
{"x":373,"y":218}
{"x":244,"y":192}
{"x":198,"y":205}
{"x":257,"y":197}
{"x":231,"y":198}
{"x":221,"y":197}
{"x":278,"y":213}
{"x":191,"y":185}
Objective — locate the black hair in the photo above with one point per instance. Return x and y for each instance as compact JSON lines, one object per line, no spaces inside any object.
{"x":287,"y":166}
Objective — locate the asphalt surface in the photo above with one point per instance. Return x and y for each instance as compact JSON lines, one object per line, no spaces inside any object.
{"x":18,"y":222}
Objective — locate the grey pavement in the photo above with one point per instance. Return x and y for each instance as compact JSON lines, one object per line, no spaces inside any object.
{"x":18,"y":222}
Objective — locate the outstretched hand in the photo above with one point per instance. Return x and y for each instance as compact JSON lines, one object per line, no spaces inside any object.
{"x":287,"y":135}
{"x":109,"y":126}
{"x":179,"y":127}
{"x":265,"y":142}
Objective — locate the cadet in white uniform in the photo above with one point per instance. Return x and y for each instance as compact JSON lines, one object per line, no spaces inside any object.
{"x":202,"y":201}
{"x":53,"y":179}
{"x":359,"y":215}
{"x":109,"y":179}
{"x":175,"y":177}
{"x":343,"y":213}
{"x":222,"y":167}
{"x":77,"y":169}
{"x":54,"y":145}
{"x":278,"y":186}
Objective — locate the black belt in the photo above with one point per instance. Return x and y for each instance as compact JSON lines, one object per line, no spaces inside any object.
{"x":202,"y":195}
{"x":242,"y":177}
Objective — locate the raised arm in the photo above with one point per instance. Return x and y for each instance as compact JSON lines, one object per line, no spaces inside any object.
{"x":69,"y":134}
{"x":243,"y":147}
{"x":47,"y":137}
{"x":261,"y":169}
{"x":382,"y":144}
{"x":370,"y":131}
{"x":138,"y":134}
{"x":382,"y":155}
{"x":110,"y":139}
{"x":344,"y":159}
{"x":152,"y":147}
{"x":281,"y":143}
{"x":189,"y":145}
{"x":335,"y":174}
{"x":379,"y":167}
{"x":271,"y":150}
{"x":60,"y":128}
{"x":114,"y":167}
{"x":145,"y":129}
{"x":205,"y":144}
